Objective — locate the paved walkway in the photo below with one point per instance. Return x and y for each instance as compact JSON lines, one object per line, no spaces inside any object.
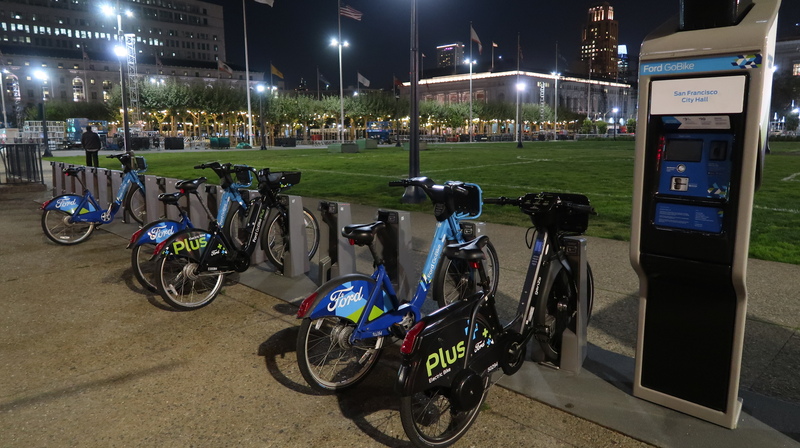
{"x":89,"y":359}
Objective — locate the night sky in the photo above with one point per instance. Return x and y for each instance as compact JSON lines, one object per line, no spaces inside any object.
{"x":295,"y":34}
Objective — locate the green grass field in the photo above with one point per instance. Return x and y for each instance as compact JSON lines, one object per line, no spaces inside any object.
{"x":601,"y":170}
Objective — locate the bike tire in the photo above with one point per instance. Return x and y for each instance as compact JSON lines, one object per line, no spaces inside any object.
{"x":327,"y":360}
{"x":59,"y":228}
{"x":453,"y":280}
{"x":182,"y":287}
{"x":134,"y":204}
{"x":429,"y":416}
{"x":235,"y":225}
{"x":275,"y":243}
{"x":144,"y":268}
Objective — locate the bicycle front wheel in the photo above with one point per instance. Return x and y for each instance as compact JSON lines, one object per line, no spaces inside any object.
{"x":328,"y":360}
{"x":455,"y":280}
{"x":59,"y":228}
{"x":144,"y":268}
{"x":135,"y":204}
{"x":430,"y":419}
{"x":182,"y":285}
{"x":235,"y":225}
{"x":276,"y":242}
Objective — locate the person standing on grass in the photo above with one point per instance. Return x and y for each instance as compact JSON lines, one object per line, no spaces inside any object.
{"x":91,"y":144}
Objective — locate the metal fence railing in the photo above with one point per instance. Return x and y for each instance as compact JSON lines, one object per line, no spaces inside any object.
{"x":22,"y":163}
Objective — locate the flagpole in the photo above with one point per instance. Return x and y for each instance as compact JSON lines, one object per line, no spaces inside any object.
{"x":519,"y":123}
{"x":318,"y":83}
{"x":414,"y":195}
{"x":247,"y":78}
{"x":341,"y":81}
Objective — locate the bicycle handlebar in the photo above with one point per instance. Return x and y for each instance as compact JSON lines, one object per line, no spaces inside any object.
{"x":536,"y":202}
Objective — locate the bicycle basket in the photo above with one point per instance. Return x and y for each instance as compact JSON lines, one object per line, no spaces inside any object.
{"x":244,"y":175}
{"x":468,"y":206}
{"x":141,"y":164}
{"x":569,"y":220}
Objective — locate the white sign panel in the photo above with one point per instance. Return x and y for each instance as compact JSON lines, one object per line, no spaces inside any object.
{"x":717,"y":95}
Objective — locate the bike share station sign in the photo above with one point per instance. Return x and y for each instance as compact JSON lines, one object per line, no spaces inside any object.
{"x":703,"y":112}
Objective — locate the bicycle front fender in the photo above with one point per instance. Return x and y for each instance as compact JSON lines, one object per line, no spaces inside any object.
{"x":156,"y":232}
{"x":68,"y":203}
{"x":344,"y":296}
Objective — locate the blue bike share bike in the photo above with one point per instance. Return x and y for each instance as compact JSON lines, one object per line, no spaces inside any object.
{"x":346,"y":320}
{"x":70,"y":218}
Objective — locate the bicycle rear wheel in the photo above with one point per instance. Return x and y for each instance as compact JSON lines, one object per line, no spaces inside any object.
{"x":430,"y":419}
{"x":183,"y":286}
{"x":59,"y":228}
{"x":455,"y":280}
{"x":144,"y":269}
{"x":327,"y":359}
{"x":134,"y":204}
{"x":276,"y":244}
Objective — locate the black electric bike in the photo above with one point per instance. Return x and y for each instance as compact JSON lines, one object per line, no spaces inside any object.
{"x":450,"y":355}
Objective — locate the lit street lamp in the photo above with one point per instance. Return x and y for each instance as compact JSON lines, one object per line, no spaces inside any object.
{"x":471,"y":63}
{"x":520,"y":89}
{"x":615,"y":110}
{"x":555,"y":107}
{"x":339,"y":43}
{"x":260,"y":90}
{"x":122,"y":53}
{"x":42,"y":76}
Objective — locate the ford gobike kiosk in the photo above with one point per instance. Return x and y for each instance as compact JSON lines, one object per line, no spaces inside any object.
{"x":703,"y":116}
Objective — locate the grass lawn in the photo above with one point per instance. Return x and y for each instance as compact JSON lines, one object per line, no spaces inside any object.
{"x":603,"y":171}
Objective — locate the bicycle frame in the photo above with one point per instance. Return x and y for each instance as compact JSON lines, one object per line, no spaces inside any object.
{"x":85,"y":208}
{"x":229,"y":195}
{"x":384,"y":307}
{"x":212,"y":249}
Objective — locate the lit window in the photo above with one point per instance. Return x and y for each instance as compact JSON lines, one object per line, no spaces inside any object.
{"x":796,"y":69}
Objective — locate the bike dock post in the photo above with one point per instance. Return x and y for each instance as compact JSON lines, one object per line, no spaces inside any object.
{"x":58,"y":177}
{"x":101,"y":177}
{"x":396,"y":241}
{"x":295,"y":262}
{"x":336,"y":255}
{"x":573,"y":343}
{"x":153,"y":207}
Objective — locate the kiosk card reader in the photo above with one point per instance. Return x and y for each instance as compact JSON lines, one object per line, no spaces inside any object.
{"x":704,"y":94}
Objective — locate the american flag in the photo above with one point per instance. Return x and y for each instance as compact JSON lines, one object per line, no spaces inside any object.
{"x":350,"y":12}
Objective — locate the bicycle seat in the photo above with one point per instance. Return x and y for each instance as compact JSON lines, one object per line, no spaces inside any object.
{"x":170,"y":198}
{"x":470,"y":250}
{"x":362,"y":234}
{"x":190,"y":186}
{"x":73,"y":170}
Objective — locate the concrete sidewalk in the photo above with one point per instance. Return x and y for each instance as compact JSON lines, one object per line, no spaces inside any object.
{"x":88,"y":359}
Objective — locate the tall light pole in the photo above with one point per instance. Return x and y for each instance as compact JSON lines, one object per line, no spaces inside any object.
{"x":520,"y":89}
{"x":615,"y":110}
{"x":471,"y":62}
{"x":42,"y":76}
{"x":5,"y":119}
{"x":260,"y":89}
{"x":121,"y":51}
{"x":555,"y":107}
{"x":414,"y":195}
{"x":338,"y":42}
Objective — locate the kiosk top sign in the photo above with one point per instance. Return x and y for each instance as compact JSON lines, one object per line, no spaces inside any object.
{"x":716,"y":95}
{"x":716,"y":64}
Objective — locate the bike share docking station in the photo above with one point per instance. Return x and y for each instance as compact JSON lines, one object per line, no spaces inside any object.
{"x":337,"y":256}
{"x":574,"y":346}
{"x":704,"y":95}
